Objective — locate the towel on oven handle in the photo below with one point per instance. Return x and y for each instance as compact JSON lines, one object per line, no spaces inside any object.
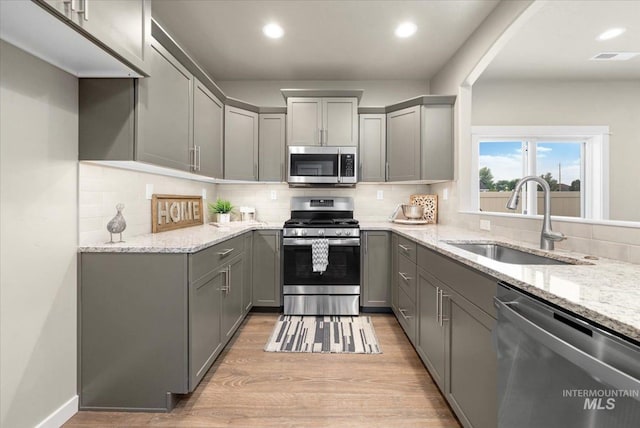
{"x":320,"y":254}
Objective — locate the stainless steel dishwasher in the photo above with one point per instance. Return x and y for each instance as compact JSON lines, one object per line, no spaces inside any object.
{"x":556,"y":370}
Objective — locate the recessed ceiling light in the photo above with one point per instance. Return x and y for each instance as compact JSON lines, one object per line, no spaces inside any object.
{"x":611,"y":33}
{"x":273,"y":31}
{"x":406,"y":29}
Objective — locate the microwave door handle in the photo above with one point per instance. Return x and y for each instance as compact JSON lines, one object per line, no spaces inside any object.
{"x":339,"y":166}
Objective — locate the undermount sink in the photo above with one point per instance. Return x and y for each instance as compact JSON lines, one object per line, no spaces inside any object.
{"x":506,"y":254}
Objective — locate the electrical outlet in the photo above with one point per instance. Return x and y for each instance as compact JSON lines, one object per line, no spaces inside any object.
{"x":204,"y":194}
{"x":274,"y":195}
{"x":380,"y":195}
{"x":445,"y":194}
{"x":148,"y":191}
{"x":485,"y":225}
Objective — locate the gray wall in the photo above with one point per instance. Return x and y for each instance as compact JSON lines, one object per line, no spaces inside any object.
{"x":543,"y":102}
{"x":38,"y":225}
{"x":267,"y":93}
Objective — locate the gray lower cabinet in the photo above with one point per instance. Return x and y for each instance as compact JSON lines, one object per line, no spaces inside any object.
{"x":455,"y":321}
{"x":373,"y":137}
{"x":151,"y":325}
{"x":267,"y":287}
{"x":240,"y":144}
{"x":123,"y":26}
{"x":376,"y":269}
{"x":271,"y":150}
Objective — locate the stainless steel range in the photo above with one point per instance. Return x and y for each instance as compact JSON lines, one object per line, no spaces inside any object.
{"x":321,"y":227}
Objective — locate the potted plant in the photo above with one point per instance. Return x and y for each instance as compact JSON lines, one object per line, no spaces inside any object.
{"x":222,"y":209}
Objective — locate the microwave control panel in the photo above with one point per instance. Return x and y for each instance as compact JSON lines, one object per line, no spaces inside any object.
{"x":347,"y":165}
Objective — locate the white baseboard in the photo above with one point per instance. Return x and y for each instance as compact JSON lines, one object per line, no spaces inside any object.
{"x":61,"y":415}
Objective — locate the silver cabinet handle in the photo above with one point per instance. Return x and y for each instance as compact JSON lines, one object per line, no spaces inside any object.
{"x":405,"y":277}
{"x":84,"y":11}
{"x":199,"y":155}
{"x":404,"y":248}
{"x":192,"y":158}
{"x":228,"y":279}
{"x":438,"y":305}
{"x":402,"y":312}
{"x":225,"y":287}
{"x":442,"y":318}
{"x":225,"y":252}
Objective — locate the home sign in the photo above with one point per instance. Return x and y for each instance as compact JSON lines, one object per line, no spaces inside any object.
{"x":169,"y":212}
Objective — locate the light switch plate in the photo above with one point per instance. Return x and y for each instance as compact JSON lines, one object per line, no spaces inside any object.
{"x":380,"y":195}
{"x":148,"y":191}
{"x":274,"y":195}
{"x":204,"y":194}
{"x":485,"y":225}
{"x":445,"y":194}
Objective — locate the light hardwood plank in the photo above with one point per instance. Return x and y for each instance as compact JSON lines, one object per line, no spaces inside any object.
{"x":248,"y":387}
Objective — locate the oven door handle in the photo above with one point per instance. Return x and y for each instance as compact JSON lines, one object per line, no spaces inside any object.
{"x":346,"y":242}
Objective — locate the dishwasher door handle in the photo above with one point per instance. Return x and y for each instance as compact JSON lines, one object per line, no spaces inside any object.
{"x":596,"y":368}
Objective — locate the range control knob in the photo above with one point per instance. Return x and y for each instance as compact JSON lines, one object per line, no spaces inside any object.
{"x":303,"y":232}
{"x":338,"y":232}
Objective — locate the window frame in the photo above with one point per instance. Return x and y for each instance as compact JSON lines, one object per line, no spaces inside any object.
{"x":594,"y":189}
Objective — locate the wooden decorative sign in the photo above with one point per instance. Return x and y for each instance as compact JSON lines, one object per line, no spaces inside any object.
{"x":169,"y":212}
{"x":430,"y":204}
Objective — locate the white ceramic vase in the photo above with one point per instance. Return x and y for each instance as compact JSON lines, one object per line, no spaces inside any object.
{"x":223,"y":218}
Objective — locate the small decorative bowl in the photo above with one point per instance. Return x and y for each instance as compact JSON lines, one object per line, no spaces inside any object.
{"x":412,"y":212}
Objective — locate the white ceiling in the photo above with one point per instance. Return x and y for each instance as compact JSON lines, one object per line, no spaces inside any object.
{"x":557,"y":42}
{"x":324,"y":40}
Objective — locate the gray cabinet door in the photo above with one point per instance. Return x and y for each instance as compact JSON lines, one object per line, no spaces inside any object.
{"x":266,"y":268}
{"x":373,"y":137}
{"x":207,"y":132}
{"x":204,"y":326}
{"x":304,"y":125}
{"x":471,"y":372}
{"x":164,"y":112}
{"x":340,"y":121}
{"x":247,"y":285}
{"x":232,"y":308}
{"x":271,"y":152}
{"x":430,"y":341}
{"x":376,"y":271}
{"x":240,"y":144}
{"x":122,"y":25}
{"x":437,"y":142}
{"x":403,"y":144}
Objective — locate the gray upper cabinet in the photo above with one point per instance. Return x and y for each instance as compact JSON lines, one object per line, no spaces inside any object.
{"x":331,"y":121}
{"x":165,"y":112}
{"x":271,"y":156}
{"x":207,"y":150}
{"x":373,"y":137}
{"x":420,"y":143}
{"x":266,"y":268}
{"x":240,"y":144}
{"x":403,"y":144}
{"x":122,"y":26}
{"x":376,"y":269}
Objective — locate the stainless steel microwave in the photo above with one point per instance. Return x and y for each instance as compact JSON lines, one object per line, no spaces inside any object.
{"x":322,"y":165}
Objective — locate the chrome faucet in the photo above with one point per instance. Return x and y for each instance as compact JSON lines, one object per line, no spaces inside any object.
{"x":547,"y":236}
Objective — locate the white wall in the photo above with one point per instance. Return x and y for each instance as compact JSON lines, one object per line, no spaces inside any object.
{"x":102,"y":187}
{"x":540,"y":102}
{"x":266,"y":93}
{"x":38,"y":226}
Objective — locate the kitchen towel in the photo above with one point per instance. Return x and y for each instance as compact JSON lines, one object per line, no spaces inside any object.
{"x":320,"y":254}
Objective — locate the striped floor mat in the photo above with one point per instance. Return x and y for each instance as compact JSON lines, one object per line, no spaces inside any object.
{"x":327,"y":334}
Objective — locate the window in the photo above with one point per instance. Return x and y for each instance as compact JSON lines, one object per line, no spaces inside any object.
{"x":571,"y":159}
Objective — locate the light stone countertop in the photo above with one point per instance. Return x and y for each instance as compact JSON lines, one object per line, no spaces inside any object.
{"x":607,"y":291}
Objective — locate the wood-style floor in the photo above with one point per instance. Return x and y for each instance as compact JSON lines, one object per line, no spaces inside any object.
{"x":248,"y":387}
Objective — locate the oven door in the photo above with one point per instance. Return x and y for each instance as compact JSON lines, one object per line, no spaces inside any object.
{"x":313,"y":165}
{"x":342,"y":275}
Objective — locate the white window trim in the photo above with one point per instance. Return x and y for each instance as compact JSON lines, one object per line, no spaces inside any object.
{"x":596,"y":158}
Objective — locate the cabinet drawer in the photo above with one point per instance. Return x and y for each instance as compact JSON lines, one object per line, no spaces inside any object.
{"x":475,"y":287}
{"x":203,"y":262}
{"x":407,"y":272}
{"x":407,"y":248}
{"x":407,"y":314}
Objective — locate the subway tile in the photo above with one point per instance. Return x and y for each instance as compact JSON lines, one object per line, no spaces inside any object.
{"x":627,"y":235}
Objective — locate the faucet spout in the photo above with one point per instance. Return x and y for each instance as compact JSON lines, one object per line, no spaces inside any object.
{"x":547,"y":235}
